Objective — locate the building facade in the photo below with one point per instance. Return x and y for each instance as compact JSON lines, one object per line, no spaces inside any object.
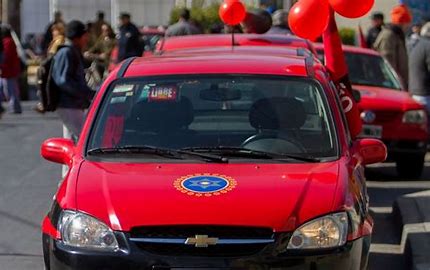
{"x":36,"y":14}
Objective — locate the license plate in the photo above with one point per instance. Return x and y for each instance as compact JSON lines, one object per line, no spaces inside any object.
{"x":371,"y":131}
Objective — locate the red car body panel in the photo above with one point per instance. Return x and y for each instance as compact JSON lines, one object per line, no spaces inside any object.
{"x":199,"y":41}
{"x":237,"y":64}
{"x":283,"y":195}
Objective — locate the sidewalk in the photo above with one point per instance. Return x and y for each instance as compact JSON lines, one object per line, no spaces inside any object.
{"x":412,"y":212}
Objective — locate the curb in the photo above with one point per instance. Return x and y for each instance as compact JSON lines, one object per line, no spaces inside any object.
{"x":412,"y":216}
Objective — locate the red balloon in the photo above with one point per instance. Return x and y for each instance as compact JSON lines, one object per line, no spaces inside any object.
{"x":352,"y":8}
{"x":232,"y":12}
{"x":309,"y":18}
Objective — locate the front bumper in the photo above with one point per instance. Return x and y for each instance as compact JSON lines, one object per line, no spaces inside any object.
{"x":399,"y":147}
{"x":350,"y":257}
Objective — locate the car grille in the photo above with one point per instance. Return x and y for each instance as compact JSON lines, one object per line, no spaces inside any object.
{"x":387,"y":116}
{"x":183,"y":232}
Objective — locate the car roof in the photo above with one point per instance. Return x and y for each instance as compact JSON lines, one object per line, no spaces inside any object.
{"x":350,"y":49}
{"x":223,"y":62}
{"x":213,"y":40}
{"x":252,"y":49}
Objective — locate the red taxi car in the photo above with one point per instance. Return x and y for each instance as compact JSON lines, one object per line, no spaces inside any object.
{"x":203,"y":161}
{"x":388,"y":111}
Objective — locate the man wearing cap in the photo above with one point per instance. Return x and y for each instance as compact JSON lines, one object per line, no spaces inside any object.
{"x":129,"y":44}
{"x":391,"y":42}
{"x":377,"y":23}
{"x":69,"y":76}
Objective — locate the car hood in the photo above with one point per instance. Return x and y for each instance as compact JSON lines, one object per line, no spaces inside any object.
{"x":278,"y":196}
{"x":379,"y":98}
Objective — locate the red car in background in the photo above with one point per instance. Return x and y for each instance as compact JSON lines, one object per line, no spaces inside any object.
{"x":388,"y":111}
{"x":213,"y":161}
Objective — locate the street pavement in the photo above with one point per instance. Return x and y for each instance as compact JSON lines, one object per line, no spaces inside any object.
{"x":28,"y":183}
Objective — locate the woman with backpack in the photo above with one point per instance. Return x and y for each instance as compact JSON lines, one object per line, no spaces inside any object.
{"x":10,"y":69}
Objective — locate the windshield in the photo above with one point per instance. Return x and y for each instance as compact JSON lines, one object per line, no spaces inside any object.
{"x":371,"y":70}
{"x":217,"y":114}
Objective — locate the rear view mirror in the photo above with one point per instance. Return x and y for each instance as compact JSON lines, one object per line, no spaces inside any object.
{"x":58,"y":150}
{"x":220,"y":94}
{"x":371,"y":150}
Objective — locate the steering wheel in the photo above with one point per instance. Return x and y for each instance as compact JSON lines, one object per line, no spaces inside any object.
{"x":273,"y":143}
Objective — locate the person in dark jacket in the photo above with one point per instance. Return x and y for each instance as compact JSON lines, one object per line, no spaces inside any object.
{"x":419,"y":69}
{"x":183,"y":27}
{"x":10,"y":69}
{"x":129,"y":39}
{"x":377,"y":23}
{"x":68,"y":75}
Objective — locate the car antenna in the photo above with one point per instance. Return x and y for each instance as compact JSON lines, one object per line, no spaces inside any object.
{"x":232,"y":13}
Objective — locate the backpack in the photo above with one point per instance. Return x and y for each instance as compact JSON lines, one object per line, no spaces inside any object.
{"x":48,"y":90}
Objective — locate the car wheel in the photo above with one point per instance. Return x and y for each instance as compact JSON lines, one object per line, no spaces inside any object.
{"x":410,"y":166}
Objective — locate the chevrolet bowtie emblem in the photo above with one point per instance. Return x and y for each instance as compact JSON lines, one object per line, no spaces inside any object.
{"x":201,"y":241}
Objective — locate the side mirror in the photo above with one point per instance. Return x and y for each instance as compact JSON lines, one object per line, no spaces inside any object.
{"x":58,"y":150}
{"x":371,"y":150}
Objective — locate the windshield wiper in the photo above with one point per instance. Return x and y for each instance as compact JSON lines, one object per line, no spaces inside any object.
{"x":244,"y":152}
{"x":148,"y":149}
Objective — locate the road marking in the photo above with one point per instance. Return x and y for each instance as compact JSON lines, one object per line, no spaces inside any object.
{"x":390,"y":165}
{"x":385,"y":249}
{"x":396,"y":185}
{"x":400,"y":249}
{"x":382,"y":210}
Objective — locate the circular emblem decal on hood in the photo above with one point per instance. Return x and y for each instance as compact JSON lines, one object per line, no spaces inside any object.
{"x":205,"y":184}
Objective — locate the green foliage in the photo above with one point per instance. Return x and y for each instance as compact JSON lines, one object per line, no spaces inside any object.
{"x":347,"y":35}
{"x":205,"y":17}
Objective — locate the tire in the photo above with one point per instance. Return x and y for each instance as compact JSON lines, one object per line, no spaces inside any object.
{"x":410,"y":165}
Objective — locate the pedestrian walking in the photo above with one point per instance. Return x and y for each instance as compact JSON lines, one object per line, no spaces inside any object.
{"x":419,"y":69}
{"x":2,"y":110}
{"x":10,"y":70}
{"x":102,"y":50}
{"x":58,"y":18}
{"x":377,"y":19}
{"x":183,"y":27}
{"x":414,"y":37}
{"x":129,"y":39}
{"x":58,"y":38}
{"x":98,"y":24}
{"x":280,"y":23}
{"x":391,"y":42}
{"x":68,"y":75}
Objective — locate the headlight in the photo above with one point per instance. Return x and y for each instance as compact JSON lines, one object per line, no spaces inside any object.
{"x":83,"y":231}
{"x":325,"y":232}
{"x":415,"y":117}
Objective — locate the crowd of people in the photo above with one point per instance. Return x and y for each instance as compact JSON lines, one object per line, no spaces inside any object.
{"x":406,"y":46}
